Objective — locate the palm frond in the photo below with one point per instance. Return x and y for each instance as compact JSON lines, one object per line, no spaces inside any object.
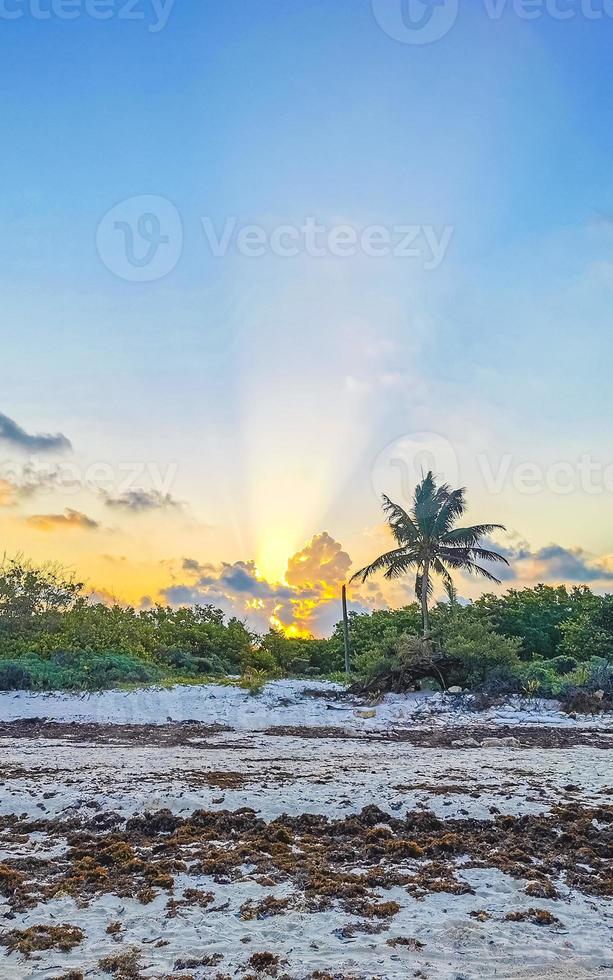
{"x":401,"y":524}
{"x":452,"y":592}
{"x":408,"y":560}
{"x":479,"y":571}
{"x":461,"y":558}
{"x":469,"y":536}
{"x":452,"y":505}
{"x":386,"y":562}
{"x":458,"y":556}
{"x":426,"y":505}
{"x":439,"y":568}
{"x":484,"y":554}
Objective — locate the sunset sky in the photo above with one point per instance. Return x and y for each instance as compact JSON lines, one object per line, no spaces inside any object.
{"x":201,"y":427}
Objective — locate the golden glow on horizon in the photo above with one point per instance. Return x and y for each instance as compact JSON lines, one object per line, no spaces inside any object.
{"x":273,"y":556}
{"x":292,"y":631}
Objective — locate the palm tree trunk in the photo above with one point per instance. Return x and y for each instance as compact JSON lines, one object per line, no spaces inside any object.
{"x":425,"y":619}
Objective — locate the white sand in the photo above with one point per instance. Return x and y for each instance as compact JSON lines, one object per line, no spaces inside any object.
{"x":300,"y":775}
{"x":280,"y":703}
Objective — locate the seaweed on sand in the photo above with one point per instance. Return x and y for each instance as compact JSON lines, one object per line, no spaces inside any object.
{"x":343,"y":863}
{"x":27,"y":941}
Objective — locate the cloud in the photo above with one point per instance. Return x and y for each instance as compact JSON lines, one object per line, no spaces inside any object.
{"x":553,"y":563}
{"x":12,"y":433}
{"x":242,"y":578}
{"x":322,"y":565}
{"x":572,"y":565}
{"x":140,"y":501}
{"x":103,"y":597}
{"x":308,"y":602}
{"x":192,"y":565}
{"x":235,"y":587}
{"x":28,"y":480}
{"x":8,"y":493}
{"x":68,"y":521}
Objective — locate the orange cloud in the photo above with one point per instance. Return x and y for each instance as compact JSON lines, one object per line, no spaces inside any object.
{"x":307,"y":603}
{"x":7,"y":493}
{"x":322,"y":565}
{"x":68,"y":521}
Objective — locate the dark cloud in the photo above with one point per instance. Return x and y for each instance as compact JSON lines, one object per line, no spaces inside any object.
{"x":238,"y":580}
{"x":514,"y":549}
{"x":191,"y":565}
{"x":29,"y":480}
{"x":12,"y":433}
{"x":184,"y":595}
{"x":241,"y":578}
{"x":308,"y":602}
{"x":140,"y":501}
{"x":572,"y":565}
{"x":70,"y":520}
{"x":552,"y":563}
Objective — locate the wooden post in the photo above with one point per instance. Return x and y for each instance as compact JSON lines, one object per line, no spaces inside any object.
{"x":346,"y":631}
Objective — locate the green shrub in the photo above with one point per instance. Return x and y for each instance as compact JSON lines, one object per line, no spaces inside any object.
{"x":535,"y":616}
{"x":601,"y":675}
{"x":299,"y":655}
{"x":75,"y":671}
{"x":595,"y":675}
{"x":540,"y":678}
{"x":369,"y":632}
{"x":391,"y":649}
{"x":260,"y":660}
{"x":301,"y":668}
{"x":14,"y":676}
{"x":468,"y":635}
{"x":255,"y":681}
{"x":563,"y":665}
{"x":591,"y":633}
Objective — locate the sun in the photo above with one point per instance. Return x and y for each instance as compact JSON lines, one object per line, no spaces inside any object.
{"x":273,"y":555}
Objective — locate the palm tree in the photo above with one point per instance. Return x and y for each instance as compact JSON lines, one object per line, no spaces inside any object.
{"x":429,"y":542}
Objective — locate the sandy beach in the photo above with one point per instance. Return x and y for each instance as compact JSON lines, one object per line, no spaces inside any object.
{"x":364,"y":848}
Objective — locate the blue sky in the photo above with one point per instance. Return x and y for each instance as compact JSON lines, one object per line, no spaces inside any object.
{"x":271,"y":386}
